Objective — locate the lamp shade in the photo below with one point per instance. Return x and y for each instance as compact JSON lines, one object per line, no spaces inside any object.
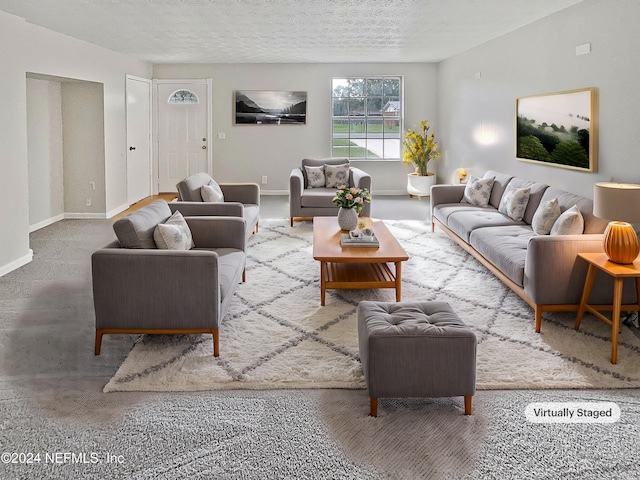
{"x":617,"y":201}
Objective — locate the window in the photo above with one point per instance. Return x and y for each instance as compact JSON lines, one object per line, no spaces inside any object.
{"x":183,"y":96}
{"x":366,"y":117}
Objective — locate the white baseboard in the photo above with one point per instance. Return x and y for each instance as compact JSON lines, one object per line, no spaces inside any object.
{"x":274,"y":192}
{"x":45,"y":223}
{"x":117,"y":210}
{"x":85,"y":215}
{"x":375,"y":192}
{"x":11,"y":266}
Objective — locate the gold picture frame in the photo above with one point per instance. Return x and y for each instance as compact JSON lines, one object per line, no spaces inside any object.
{"x":559,"y":129}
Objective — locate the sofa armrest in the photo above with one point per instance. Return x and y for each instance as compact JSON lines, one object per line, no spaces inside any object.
{"x":552,"y":272}
{"x":441,"y":194}
{"x":159,"y":289}
{"x":361,"y":179}
{"x":248,"y":193}
{"x":211,"y":209}
{"x":218,"y":232}
{"x":296,"y":183}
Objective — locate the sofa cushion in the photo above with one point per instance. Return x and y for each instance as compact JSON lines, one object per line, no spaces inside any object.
{"x":315,"y":176}
{"x":318,"y":197}
{"x":319,"y":163}
{"x":174,"y":234}
{"x":466,"y":221}
{"x":212,"y":192}
{"x":443,"y":212}
{"x":336,"y":175}
{"x":592,"y":224}
{"x":136,"y":230}
{"x":505,"y":247}
{"x":478,"y":191}
{"x":514,"y":202}
{"x":500,"y":182}
{"x":570,"y":222}
{"x":535,"y":195}
{"x":545,"y":216}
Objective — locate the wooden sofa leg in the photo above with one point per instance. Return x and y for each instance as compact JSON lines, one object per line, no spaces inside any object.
{"x":244,"y":275}
{"x":538,"y":311}
{"x":291,"y":221}
{"x":467,"y":404}
{"x":433,"y":227}
{"x":98,"y":343}
{"x":373,"y":407}
{"x":216,"y":342}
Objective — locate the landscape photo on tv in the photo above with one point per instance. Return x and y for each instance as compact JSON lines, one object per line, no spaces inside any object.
{"x":558,"y":129}
{"x":268,"y":107}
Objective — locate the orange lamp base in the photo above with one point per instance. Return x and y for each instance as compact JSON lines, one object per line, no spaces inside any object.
{"x":620,"y":242}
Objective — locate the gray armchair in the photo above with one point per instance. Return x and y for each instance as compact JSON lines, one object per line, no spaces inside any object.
{"x":240,"y":200}
{"x":316,"y":202}
{"x":139,"y":289}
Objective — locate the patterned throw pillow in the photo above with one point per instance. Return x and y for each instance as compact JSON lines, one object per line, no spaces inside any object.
{"x":478,"y":191}
{"x":212,"y":192}
{"x":315,"y":176}
{"x":514,"y":202}
{"x":569,"y":223}
{"x":545,"y":217}
{"x":174,"y":234}
{"x":336,"y":175}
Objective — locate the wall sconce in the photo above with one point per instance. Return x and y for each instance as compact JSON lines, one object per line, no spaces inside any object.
{"x":485,"y":133}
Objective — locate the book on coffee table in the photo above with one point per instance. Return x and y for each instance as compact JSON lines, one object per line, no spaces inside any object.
{"x":347,"y":240}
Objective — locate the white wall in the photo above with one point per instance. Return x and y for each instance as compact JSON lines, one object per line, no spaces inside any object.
{"x":540,"y":58}
{"x":45,"y":164}
{"x":250,"y":151}
{"x":27,"y":48}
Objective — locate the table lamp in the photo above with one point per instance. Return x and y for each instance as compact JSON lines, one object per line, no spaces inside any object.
{"x":619,"y":201}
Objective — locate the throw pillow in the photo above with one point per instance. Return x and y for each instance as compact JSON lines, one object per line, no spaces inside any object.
{"x":174,"y":234}
{"x":211,"y":193}
{"x":478,"y":191}
{"x":315,"y":176}
{"x":569,"y":223}
{"x":545,"y":217}
{"x":336,"y":175}
{"x":514,"y":202}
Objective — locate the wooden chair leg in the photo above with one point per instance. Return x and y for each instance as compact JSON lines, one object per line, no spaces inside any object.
{"x":291,"y":221}
{"x":216,"y":342}
{"x":98,"y":343}
{"x":467,"y":404}
{"x":538,"y":313}
{"x":244,"y":275}
{"x":373,"y":407}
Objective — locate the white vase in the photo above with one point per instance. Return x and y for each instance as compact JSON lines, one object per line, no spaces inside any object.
{"x":420,"y":185}
{"x":347,"y":218}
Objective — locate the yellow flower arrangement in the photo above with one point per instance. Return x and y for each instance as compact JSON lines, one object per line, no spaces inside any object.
{"x":419,"y":148}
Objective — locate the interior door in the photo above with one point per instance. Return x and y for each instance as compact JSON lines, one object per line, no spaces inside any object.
{"x":138,"y":92}
{"x":183,"y":131}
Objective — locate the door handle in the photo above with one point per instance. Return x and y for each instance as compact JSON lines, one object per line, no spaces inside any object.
{"x":132,"y":148}
{"x":204,"y":147}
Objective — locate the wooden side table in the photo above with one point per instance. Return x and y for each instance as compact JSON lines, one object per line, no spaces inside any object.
{"x":600,"y":261}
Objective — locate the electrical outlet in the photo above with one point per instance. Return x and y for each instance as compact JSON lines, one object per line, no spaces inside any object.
{"x":92,"y":185}
{"x":264,"y":180}
{"x":88,"y":202}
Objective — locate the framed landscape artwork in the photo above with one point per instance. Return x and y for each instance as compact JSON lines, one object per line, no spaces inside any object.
{"x":268,"y":107}
{"x":559,"y":129}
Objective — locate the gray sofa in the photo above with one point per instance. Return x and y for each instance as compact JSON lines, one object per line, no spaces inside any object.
{"x":240,"y":200}
{"x":316,"y":202}
{"x":542,"y":269}
{"x":138,"y":288}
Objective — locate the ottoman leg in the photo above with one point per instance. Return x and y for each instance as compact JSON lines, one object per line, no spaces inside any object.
{"x":467,"y":404}
{"x":374,"y":407}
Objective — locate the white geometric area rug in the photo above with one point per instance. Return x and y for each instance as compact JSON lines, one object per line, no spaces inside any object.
{"x":276,"y":335}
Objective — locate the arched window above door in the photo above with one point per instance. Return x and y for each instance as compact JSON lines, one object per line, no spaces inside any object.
{"x":183,"y":96}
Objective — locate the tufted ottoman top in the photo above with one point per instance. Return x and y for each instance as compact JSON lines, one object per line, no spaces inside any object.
{"x":429,"y":319}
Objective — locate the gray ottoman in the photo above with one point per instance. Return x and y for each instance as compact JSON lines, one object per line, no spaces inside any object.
{"x":416,"y":349}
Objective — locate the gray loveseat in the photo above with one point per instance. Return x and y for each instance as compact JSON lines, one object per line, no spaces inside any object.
{"x":240,"y":200}
{"x":542,"y":269}
{"x":138,"y":288}
{"x":316,"y":202}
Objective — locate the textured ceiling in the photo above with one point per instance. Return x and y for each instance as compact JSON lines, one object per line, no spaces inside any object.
{"x":285,"y":31}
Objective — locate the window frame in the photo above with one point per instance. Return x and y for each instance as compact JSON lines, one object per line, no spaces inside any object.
{"x":357,"y":125}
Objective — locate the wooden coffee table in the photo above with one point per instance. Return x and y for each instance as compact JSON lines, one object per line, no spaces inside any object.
{"x":356,"y":267}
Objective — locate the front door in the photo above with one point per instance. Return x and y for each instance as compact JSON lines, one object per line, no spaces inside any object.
{"x":183,"y":131}
{"x":138,"y":92}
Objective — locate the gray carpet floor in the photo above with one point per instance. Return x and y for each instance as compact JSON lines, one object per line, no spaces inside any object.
{"x":56,"y":422}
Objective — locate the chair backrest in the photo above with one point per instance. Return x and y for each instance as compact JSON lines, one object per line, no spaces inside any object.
{"x":323,"y":161}
{"x":136,"y":230}
{"x":189,"y":188}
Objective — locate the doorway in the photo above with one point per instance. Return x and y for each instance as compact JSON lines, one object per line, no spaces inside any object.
{"x":183,"y":130}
